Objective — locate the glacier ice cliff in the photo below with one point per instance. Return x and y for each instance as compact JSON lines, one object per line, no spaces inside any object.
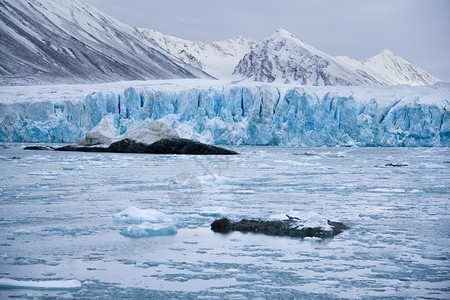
{"x":245,"y":115}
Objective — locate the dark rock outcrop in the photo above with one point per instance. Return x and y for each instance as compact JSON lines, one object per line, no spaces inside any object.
{"x":164,"y":146}
{"x":184,"y":146}
{"x":39,"y":148}
{"x":396,"y":165}
{"x":290,"y":227}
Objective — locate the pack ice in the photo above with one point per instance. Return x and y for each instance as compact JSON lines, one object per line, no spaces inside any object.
{"x":234,"y":114}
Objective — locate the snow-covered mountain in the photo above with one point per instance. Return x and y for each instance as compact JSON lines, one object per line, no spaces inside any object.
{"x":391,"y":69}
{"x":283,"y":57}
{"x":69,"y":41}
{"x":217,"y":58}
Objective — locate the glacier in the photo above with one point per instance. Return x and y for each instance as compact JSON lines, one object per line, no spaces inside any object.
{"x":234,"y":114}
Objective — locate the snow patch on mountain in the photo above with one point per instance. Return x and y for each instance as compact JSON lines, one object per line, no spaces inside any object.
{"x":216,"y":58}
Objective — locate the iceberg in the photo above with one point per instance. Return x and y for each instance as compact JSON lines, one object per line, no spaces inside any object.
{"x":101,"y":134}
{"x":147,"y":133}
{"x":145,"y":223}
{"x":134,"y":215}
{"x":147,"y":229}
{"x":233,"y":114}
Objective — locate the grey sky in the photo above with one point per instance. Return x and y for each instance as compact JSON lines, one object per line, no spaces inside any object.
{"x":417,"y":30}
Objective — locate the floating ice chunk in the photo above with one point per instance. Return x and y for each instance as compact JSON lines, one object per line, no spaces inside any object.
{"x":244,"y":192}
{"x":134,"y":215}
{"x":428,"y":166}
{"x":299,"y":164}
{"x":147,"y":222}
{"x":213,"y":212}
{"x":330,"y":283}
{"x":21,"y":231}
{"x":147,"y":229}
{"x":248,"y":277}
{"x":386,"y":269}
{"x":265,"y":166}
{"x":331,"y":154}
{"x":435,"y":256}
{"x":214,"y":179}
{"x":386,"y":190}
{"x":7,"y":283}
{"x":74,"y":168}
{"x":292,"y":163}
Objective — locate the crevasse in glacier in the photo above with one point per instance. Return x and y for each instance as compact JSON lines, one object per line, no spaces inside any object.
{"x":251,"y":115}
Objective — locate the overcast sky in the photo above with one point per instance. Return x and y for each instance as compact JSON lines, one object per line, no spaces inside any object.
{"x":417,"y":30}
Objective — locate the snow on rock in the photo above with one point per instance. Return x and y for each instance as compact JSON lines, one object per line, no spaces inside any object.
{"x":6,"y":283}
{"x":147,"y":229}
{"x":234,"y":114}
{"x":292,"y":226}
{"x":308,"y":220}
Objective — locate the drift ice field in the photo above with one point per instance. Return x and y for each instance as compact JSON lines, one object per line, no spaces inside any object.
{"x":123,"y":225}
{"x":110,"y":225}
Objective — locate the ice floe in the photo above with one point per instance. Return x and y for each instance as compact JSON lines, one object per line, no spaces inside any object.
{"x":7,"y":283}
{"x":146,"y":222}
{"x":147,"y":229}
{"x":134,"y":215}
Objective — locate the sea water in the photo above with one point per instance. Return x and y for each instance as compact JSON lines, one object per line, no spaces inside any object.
{"x":109,"y":225}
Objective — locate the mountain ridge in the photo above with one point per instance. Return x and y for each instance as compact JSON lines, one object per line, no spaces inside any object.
{"x":69,"y":41}
{"x":46,"y":41}
{"x":283,"y":57}
{"x":216,"y":58}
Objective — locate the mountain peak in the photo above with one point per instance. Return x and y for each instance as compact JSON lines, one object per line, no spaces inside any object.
{"x":393,"y":69}
{"x":281,"y":32}
{"x":387,"y":55}
{"x":387,"y":52}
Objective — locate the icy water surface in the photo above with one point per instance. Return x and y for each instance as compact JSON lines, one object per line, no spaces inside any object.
{"x":58,"y":237}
